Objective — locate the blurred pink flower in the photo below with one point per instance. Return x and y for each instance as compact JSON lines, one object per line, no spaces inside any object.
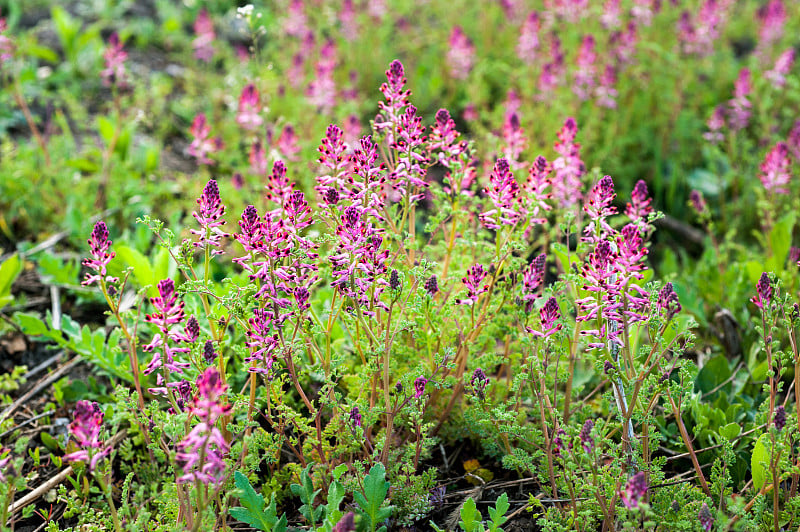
{"x":203,"y":43}
{"x":775,"y":174}
{"x":783,"y":65}
{"x":715,"y":124}
{"x":461,"y":55}
{"x":739,"y":106}
{"x":201,"y":144}
{"x":528,"y":43}
{"x":568,"y":167}
{"x":114,"y":56}
{"x":295,"y":24}
{"x":773,"y":18}
{"x":249,"y":116}
{"x":85,"y":428}
{"x":584,"y":81}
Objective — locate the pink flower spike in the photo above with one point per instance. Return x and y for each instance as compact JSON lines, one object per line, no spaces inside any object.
{"x":514,"y":139}
{"x":169,"y":310}
{"x":503,"y":190}
{"x":610,"y":19}
{"x":85,"y":429}
{"x":396,"y":99}
{"x":698,"y":202}
{"x":6,"y":44}
{"x":705,"y":518}
{"x":533,"y":280}
{"x":251,"y":231}
{"x":201,"y":453}
{"x":472,"y":281}
{"x":775,"y":175}
{"x":549,"y":315}
{"x":419,"y":386}
{"x":606,"y":92}
{"x":209,"y":216}
{"x":668,"y":301}
{"x":296,"y":23}
{"x":287,"y":143}
{"x":535,"y":196}
{"x":249,"y":116}
{"x":568,"y":168}
{"x":783,"y":65}
{"x":763,"y":295}
{"x":203,"y":43}
{"x":262,"y":341}
{"x":739,"y":107}
{"x":585,"y":435}
{"x":321,"y":91}
{"x":114,"y":56}
{"x":793,"y":141}
{"x":640,"y":206}
{"x":443,"y":141}
{"x":528,"y":43}
{"x":635,"y":490}
{"x":99,"y":244}
{"x":716,"y":123}
{"x":202,"y":144}
{"x":598,"y":207}
{"x":773,"y":18}
{"x":461,"y":54}
{"x":584,"y":81}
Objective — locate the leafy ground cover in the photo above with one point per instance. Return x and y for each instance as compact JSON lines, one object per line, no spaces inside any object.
{"x":399,"y":266}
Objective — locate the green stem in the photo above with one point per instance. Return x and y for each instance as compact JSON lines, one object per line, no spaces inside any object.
{"x":104,"y":487}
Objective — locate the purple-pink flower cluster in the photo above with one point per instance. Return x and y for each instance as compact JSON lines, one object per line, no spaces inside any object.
{"x":87,"y":422}
{"x":775,"y":174}
{"x":763,"y":296}
{"x":99,"y":246}
{"x":472,"y":281}
{"x":568,"y":168}
{"x":203,"y":43}
{"x":202,"y":144}
{"x":249,"y":116}
{"x":209,"y":216}
{"x":549,"y":315}
{"x":461,"y":54}
{"x":504,"y":192}
{"x":167,"y":318}
{"x":114,"y":72}
{"x":613,"y":267}
{"x":635,"y":490}
{"x":201,"y":453}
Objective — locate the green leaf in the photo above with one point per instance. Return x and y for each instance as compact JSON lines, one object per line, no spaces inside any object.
{"x":142,"y":270}
{"x":83,"y":164}
{"x":253,"y":512}
{"x":338,"y":471}
{"x":307,"y":495}
{"x":730,"y":431}
{"x":66,"y":28}
{"x":30,"y":324}
{"x":563,"y":255}
{"x":106,"y":128}
{"x":41,"y":52}
{"x":470,"y":516}
{"x":49,"y":441}
{"x":715,"y":372}
{"x":759,"y":462}
{"x":335,"y":496}
{"x":376,"y":487}
{"x":497,"y":514}
{"x":9,"y":270}
{"x":780,"y":240}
